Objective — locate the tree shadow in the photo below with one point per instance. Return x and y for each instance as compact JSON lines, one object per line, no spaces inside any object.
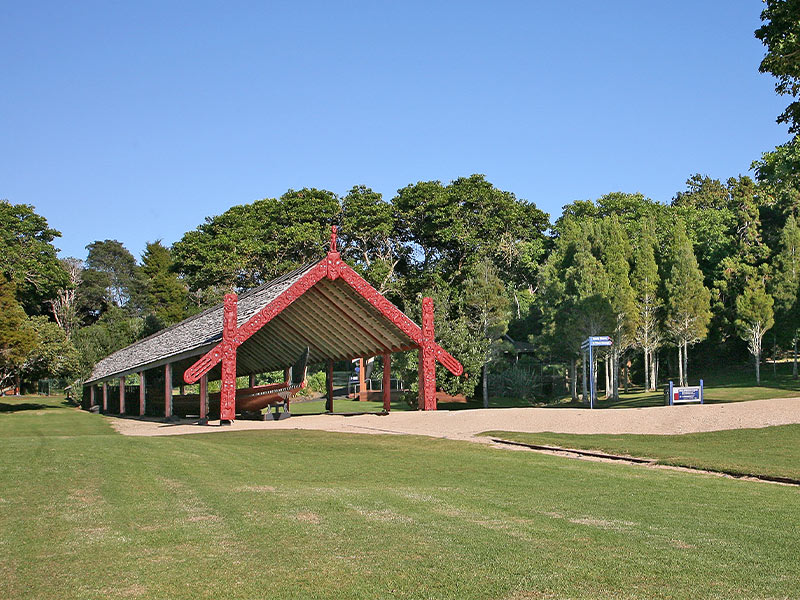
{"x":7,"y":408}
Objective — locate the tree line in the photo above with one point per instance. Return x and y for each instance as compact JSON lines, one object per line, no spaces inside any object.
{"x":713,"y":272}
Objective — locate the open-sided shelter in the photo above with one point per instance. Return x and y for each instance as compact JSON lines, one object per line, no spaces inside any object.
{"x":324,"y":307}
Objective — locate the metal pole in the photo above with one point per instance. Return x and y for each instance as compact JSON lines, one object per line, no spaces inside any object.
{"x":591,"y":376}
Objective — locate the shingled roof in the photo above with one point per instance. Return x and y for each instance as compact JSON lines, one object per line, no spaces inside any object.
{"x":193,"y":336}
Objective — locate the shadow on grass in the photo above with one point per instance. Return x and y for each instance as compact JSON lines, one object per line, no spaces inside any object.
{"x":8,"y":408}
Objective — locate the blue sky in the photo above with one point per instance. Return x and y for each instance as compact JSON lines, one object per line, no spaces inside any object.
{"x":136,"y":120}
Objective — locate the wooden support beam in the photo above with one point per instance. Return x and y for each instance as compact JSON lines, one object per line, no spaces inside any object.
{"x":204,"y":400}
{"x":252,"y":381}
{"x":122,"y":395}
{"x":329,"y":386}
{"x":227,"y":397}
{"x":362,"y":383}
{"x":105,"y":396}
{"x":387,"y":382}
{"x":181,"y":390}
{"x":142,"y":394}
{"x":427,"y":359}
{"x":91,"y":396}
{"x":168,"y":390}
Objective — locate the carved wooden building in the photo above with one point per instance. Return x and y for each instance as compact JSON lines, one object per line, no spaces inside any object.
{"x":324,"y":308}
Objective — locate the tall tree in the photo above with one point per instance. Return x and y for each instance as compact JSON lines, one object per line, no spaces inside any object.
{"x":754,"y":318}
{"x":162,"y":294}
{"x":616,"y":253}
{"x":111,"y":258}
{"x":371,"y":238}
{"x":780,"y":33}
{"x":251,"y":244}
{"x":486,"y":303}
{"x":785,"y":286}
{"x":645,"y":281}
{"x":686,"y":298}
{"x":65,"y":303}
{"x":17,"y":339}
{"x":28,"y":257}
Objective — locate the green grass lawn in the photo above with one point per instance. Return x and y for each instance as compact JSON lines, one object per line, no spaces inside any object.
{"x":724,"y":384}
{"x":87,"y":513}
{"x":770,"y":451}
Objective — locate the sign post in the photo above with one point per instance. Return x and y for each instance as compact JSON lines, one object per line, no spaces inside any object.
{"x":684,"y":394}
{"x":589,"y":345}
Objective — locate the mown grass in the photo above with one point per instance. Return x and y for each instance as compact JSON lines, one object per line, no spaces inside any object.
{"x":723,"y":384}
{"x":88,"y":513}
{"x":769,"y":451}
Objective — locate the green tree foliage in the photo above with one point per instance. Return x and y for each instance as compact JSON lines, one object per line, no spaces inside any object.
{"x":114,"y":330}
{"x":575,"y":292}
{"x":487,"y":308}
{"x":686,"y":298}
{"x":648,"y":305}
{"x":53,"y":355}
{"x":17,"y":339}
{"x":780,"y":33}
{"x":371,"y":239}
{"x":785,"y":286}
{"x":451,"y":228}
{"x":707,"y":209}
{"x":164,"y":297}
{"x":114,"y":268}
{"x":27,"y":255}
{"x":616,"y":253}
{"x":754,"y":318}
{"x":779,"y":173}
{"x":251,"y":244}
{"x":65,"y":303}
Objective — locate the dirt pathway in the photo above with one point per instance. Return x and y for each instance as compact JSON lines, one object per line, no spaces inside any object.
{"x":466,"y":424}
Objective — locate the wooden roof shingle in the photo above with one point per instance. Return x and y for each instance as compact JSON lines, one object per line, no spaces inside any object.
{"x":192,"y":336}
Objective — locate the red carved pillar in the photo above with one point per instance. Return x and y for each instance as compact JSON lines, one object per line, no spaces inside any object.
{"x":427,"y":359}
{"x":329,"y":382}
{"x":91,"y":396}
{"x":105,"y":396}
{"x":122,"y":395}
{"x":362,"y":383}
{"x":387,"y":382}
{"x":204,"y":400}
{"x":227,"y":400}
{"x":168,"y":390}
{"x":142,"y":387}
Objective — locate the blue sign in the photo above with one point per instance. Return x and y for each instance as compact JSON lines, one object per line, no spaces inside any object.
{"x":685,"y":394}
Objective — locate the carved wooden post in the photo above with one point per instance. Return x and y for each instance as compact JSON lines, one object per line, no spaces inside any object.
{"x":227,"y":399}
{"x":168,"y":390}
{"x":362,"y":383}
{"x":329,"y":382}
{"x":387,"y":382}
{"x":91,"y":396}
{"x":105,"y":396}
{"x":252,"y":382}
{"x":204,"y":400}
{"x":142,"y":392}
{"x":427,"y":359}
{"x":122,"y":395}
{"x":287,"y":373}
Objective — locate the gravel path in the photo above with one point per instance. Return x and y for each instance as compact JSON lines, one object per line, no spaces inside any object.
{"x":466,"y":424}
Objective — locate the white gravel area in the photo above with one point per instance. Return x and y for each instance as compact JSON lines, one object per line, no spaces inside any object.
{"x":466,"y":424}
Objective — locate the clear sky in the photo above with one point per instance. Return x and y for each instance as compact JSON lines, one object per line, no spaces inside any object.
{"x":136,"y":120}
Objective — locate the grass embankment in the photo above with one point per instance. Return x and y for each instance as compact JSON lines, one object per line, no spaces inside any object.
{"x":87,"y":513}
{"x":726,"y":384}
{"x":770,"y":451}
